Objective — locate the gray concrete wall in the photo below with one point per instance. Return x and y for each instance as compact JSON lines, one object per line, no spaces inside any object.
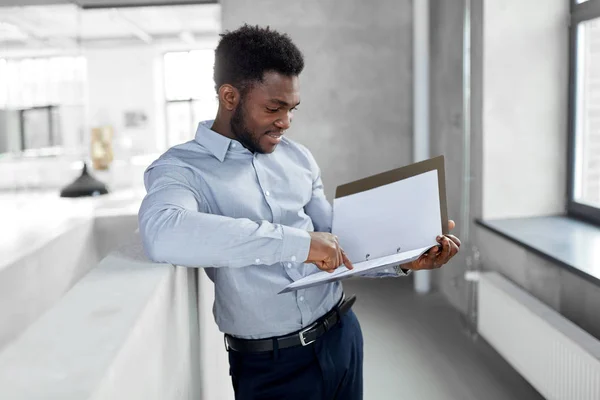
{"x":447,"y":124}
{"x":450,"y":119}
{"x":565,"y":292}
{"x":356,"y":90}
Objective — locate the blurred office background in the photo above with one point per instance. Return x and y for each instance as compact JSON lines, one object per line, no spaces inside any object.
{"x":508,"y":91}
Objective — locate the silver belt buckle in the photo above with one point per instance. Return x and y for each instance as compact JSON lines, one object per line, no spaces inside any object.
{"x":303,"y":331}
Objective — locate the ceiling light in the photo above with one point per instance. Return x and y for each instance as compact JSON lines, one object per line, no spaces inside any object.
{"x":187,"y":37}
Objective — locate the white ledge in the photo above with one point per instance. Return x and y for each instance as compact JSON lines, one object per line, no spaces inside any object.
{"x":112,"y":336}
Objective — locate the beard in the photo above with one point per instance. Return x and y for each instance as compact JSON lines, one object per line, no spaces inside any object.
{"x":248,"y":139}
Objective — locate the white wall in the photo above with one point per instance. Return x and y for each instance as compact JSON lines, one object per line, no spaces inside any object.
{"x":131,"y":79}
{"x":121,"y":80}
{"x":525,"y":83}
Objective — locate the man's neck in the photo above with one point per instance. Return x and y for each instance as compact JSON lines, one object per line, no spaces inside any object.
{"x":222,"y":126}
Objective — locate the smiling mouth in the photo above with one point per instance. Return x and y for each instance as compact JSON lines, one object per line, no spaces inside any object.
{"x":275,"y":135}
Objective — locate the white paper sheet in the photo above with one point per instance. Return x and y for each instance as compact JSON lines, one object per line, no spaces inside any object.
{"x":392,"y":224}
{"x":359,"y":269}
{"x":402,"y":215}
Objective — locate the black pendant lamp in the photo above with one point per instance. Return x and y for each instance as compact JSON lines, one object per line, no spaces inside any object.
{"x":84,"y":185}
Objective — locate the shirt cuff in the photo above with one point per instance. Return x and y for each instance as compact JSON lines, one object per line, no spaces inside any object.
{"x":296,"y":245}
{"x":401,"y":271}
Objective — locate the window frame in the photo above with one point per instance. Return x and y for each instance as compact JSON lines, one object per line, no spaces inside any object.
{"x":168,"y":101}
{"x":585,"y":11}
{"x":53,"y":137}
{"x":190,"y":103}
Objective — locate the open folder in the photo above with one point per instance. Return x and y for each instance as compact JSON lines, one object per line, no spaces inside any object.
{"x":386,"y":220}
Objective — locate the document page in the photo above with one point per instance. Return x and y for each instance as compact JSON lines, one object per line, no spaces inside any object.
{"x":363,"y":268}
{"x":387,"y":219}
{"x":397,"y":217}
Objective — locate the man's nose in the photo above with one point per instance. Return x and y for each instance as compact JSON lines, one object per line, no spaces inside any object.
{"x":285,"y":122}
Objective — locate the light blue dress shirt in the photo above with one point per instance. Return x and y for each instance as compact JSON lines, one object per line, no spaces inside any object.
{"x":245,"y":219}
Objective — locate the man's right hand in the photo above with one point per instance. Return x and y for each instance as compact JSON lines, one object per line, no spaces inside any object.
{"x":326,"y":253}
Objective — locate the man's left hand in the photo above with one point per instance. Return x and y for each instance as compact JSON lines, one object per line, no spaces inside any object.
{"x":439,"y":255}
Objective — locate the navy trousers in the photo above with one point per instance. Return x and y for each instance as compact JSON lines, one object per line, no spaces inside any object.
{"x":328,"y":369}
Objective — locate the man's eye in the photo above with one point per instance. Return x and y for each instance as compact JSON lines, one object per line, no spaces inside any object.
{"x":273,"y":110}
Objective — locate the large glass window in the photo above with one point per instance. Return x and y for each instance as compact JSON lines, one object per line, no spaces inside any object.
{"x":189,"y":91}
{"x":584,"y":165}
{"x":45,"y":98}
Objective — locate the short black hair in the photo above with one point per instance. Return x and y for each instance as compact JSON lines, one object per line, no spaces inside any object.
{"x":244,"y":55}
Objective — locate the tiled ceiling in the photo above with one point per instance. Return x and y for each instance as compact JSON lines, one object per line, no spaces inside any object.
{"x":21,"y":25}
{"x":102,"y":3}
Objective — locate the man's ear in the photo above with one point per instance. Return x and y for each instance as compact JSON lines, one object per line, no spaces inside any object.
{"x":229,"y":97}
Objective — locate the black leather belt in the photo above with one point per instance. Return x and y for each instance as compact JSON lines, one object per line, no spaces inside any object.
{"x":303,"y":337}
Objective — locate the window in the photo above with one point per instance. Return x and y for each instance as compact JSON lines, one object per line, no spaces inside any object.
{"x":584,"y":143}
{"x":40,"y":128}
{"x":189,"y":92}
{"x":47,"y":96}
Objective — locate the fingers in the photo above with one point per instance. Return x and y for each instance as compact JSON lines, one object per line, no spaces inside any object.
{"x":342,"y":258}
{"x":339,"y":259}
{"x":325,"y":266}
{"x":454,"y":247}
{"x":433,"y":252}
{"x":334,"y":257}
{"x":454,"y":239}
{"x":451,"y":224}
{"x":449,"y":249}
{"x":324,"y":251}
{"x":321,"y":265}
{"x":427,"y":260}
{"x":347,"y":261}
{"x":445,"y":253}
{"x":439,"y":255}
{"x":332,"y":262}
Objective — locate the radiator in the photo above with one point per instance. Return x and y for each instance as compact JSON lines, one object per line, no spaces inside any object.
{"x":559,"y":359}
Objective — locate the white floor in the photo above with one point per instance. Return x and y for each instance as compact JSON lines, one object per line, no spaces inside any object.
{"x":416,"y":349}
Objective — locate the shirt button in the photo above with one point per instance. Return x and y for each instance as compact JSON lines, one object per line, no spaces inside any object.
{"x":257,"y":261}
{"x":267,"y":193}
{"x":289,"y":265}
{"x":293,"y":258}
{"x":301,"y":298}
{"x":233,"y":145}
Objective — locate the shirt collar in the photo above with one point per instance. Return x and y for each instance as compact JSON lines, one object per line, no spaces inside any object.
{"x":214,"y":142}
